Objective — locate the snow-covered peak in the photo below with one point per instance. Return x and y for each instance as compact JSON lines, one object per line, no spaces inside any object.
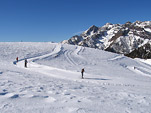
{"x":142,"y":24}
{"x":108,"y":25}
{"x":118,"y":38}
{"x":93,"y":29}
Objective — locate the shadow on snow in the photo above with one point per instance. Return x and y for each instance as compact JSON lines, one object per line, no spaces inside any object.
{"x":97,"y":78}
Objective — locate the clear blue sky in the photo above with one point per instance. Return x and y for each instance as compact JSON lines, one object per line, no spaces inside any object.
{"x":57,"y":20}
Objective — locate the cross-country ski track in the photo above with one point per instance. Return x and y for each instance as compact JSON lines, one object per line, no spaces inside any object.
{"x":56,"y":72}
{"x":73,"y":75}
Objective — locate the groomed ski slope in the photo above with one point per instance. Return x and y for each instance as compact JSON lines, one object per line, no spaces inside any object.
{"x":52,"y":81}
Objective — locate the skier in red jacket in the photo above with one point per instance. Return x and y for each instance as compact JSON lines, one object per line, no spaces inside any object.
{"x":17,"y":59}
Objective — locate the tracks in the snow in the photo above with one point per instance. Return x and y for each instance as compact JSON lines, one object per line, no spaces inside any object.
{"x":69,"y":53}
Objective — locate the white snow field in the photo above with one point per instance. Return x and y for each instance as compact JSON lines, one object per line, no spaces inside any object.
{"x":52,"y":82}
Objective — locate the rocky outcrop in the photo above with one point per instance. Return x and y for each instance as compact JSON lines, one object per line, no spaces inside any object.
{"x":143,"y":52}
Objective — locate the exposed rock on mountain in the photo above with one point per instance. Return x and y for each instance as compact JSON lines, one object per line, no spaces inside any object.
{"x":141,"y":52}
{"x":118,"y":38}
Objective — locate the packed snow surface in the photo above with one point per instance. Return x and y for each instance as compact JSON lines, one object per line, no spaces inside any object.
{"x":52,"y":82}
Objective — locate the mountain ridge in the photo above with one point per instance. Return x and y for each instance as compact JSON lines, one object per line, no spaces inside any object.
{"x":118,"y":38}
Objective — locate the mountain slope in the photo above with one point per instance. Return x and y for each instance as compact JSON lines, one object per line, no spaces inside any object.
{"x":52,"y":80}
{"x":116,"y":38}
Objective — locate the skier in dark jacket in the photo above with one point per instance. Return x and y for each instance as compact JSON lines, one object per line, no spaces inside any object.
{"x":82,"y":71}
{"x":26,"y":63}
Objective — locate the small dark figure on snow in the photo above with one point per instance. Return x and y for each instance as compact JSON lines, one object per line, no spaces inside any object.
{"x":26,"y":62}
{"x":82,"y":71}
{"x":17,"y":59}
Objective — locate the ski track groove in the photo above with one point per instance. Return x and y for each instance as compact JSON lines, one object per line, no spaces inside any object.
{"x":78,"y":50}
{"x":143,"y":71}
{"x":69,"y":59}
{"x":140,"y":70}
{"x":77,"y":54}
{"x":68,"y":55}
{"x":57,"y":49}
{"x":81,"y":110}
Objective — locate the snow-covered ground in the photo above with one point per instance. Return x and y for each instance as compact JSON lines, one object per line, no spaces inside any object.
{"x":52,"y":81}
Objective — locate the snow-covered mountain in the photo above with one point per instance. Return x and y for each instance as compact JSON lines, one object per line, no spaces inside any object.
{"x":117,"y":38}
{"x":52,"y":82}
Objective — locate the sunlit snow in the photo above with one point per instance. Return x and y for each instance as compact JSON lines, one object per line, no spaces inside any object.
{"x":52,"y":82}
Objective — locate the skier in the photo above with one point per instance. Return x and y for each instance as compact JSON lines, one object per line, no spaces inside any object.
{"x":26,"y":63}
{"x":82,"y":71}
{"x":17,"y":59}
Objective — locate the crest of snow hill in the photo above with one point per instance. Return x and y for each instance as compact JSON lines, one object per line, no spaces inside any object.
{"x":130,"y":39}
